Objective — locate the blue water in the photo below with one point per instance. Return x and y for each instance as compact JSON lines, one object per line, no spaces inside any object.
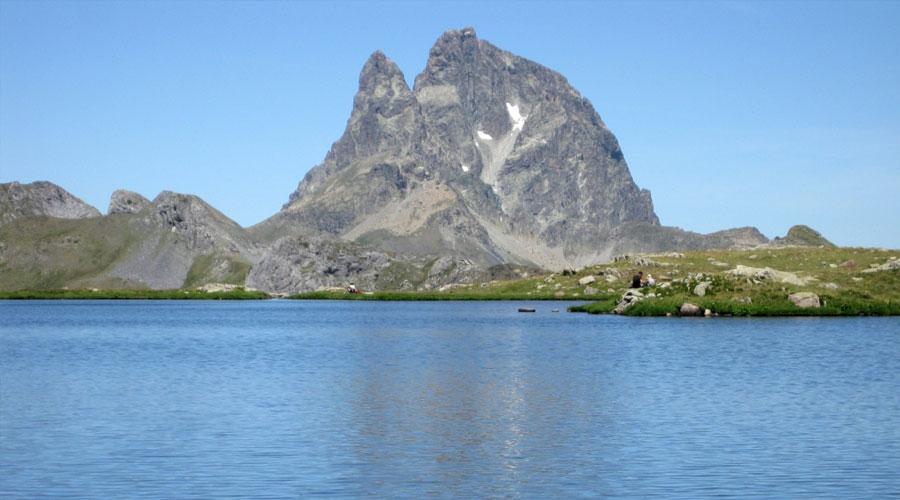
{"x":283,"y":399}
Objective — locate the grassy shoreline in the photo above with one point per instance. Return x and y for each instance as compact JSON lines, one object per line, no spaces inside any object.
{"x":749,"y":283}
{"x":132,"y":295}
{"x":425,"y":296}
{"x":724,"y":308}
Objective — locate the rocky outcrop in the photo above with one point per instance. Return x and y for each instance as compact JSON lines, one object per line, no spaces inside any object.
{"x":175,"y":230}
{"x":801,"y":235}
{"x":629,"y":298}
{"x":296,"y":264}
{"x":126,"y":202}
{"x":41,"y":199}
{"x":805,"y":300}
{"x":761,"y":274}
{"x":891,"y":265}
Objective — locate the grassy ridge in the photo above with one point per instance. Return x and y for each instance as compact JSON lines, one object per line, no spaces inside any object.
{"x":239,"y":294}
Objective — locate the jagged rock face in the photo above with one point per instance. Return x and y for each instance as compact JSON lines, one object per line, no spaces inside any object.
{"x":533,"y":139}
{"x":126,"y":202}
{"x":364,"y":169}
{"x":491,"y":157}
{"x":41,"y":199}
{"x":297,"y":264}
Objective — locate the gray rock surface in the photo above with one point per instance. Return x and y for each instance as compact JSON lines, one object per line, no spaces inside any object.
{"x":175,"y":229}
{"x":489,"y":157}
{"x":629,"y":298}
{"x":126,"y":202}
{"x":768,"y":274}
{"x":805,"y":300}
{"x":296,"y":264}
{"x":688,"y":309}
{"x":890,"y":265}
{"x":41,"y":199}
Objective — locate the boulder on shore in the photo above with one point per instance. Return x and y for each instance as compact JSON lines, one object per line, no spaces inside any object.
{"x":629,"y":298}
{"x":587,"y":280}
{"x":701,"y":288}
{"x":805,"y":300}
{"x":688,"y":309}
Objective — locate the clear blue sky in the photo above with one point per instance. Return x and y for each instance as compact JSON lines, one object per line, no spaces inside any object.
{"x":732,"y":114}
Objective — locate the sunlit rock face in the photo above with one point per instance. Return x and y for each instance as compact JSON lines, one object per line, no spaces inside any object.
{"x":489,"y":157}
{"x":41,"y":199}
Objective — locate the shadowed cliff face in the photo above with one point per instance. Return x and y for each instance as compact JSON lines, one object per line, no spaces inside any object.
{"x":506,"y":162}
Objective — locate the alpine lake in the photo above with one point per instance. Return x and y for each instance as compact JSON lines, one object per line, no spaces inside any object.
{"x":278,"y":398}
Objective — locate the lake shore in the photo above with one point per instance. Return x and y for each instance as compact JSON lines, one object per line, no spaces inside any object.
{"x":96,"y":294}
{"x":764,"y":282}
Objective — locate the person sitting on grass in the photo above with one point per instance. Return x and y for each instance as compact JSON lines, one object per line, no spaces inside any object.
{"x":650,"y":281}
{"x":637,"y":280}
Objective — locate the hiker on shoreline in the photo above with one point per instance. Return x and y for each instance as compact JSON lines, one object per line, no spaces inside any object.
{"x":637,"y":280}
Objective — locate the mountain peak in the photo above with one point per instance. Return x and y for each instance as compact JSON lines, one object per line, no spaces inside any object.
{"x":461,"y":35}
{"x":802,"y":235}
{"x":123,"y":201}
{"x":41,"y":198}
{"x":381,"y":75}
{"x":492,"y":157}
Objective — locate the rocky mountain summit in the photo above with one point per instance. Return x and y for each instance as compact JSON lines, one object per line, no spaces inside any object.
{"x":41,"y":199}
{"x":489,"y":157}
{"x":126,"y":202}
{"x":801,"y":235}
